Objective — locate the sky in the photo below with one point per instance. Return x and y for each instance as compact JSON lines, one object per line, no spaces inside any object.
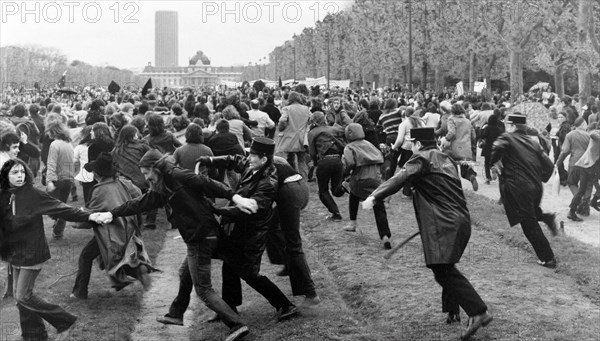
{"x":121,"y":34}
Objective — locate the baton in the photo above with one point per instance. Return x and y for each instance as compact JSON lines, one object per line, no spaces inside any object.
{"x":395,"y":249}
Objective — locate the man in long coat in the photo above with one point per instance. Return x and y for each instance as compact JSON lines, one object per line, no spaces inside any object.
{"x":444,"y":223}
{"x":520,"y":185}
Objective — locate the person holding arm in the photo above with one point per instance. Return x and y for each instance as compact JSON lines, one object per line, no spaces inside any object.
{"x":25,"y":247}
{"x":191,"y":211}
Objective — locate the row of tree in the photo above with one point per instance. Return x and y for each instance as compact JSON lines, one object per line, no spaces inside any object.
{"x":465,"y":39}
{"x":24,"y":66}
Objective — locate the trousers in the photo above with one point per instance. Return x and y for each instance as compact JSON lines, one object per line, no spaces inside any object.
{"x":457,"y":291}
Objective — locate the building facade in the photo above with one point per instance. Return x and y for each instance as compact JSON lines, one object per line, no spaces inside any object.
{"x":166,"y":35}
{"x":189,"y":76}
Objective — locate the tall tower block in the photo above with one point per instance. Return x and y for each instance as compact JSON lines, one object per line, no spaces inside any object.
{"x":166,"y":35}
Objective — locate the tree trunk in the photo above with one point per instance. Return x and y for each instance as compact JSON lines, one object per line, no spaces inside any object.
{"x":424,"y":69}
{"x":404,"y":76}
{"x":439,"y":79}
{"x":487,"y":72}
{"x":583,"y":73}
{"x":559,"y":81}
{"x":472,"y":71}
{"x":516,"y":75}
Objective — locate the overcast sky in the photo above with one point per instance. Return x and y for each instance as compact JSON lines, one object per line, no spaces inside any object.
{"x":121,"y":33}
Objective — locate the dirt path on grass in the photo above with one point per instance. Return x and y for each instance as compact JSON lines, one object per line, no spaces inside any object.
{"x":587,"y":231}
{"x":368,"y":298}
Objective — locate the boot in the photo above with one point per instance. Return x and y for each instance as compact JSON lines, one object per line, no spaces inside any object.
{"x":573,"y":215}
{"x":352,"y":226}
{"x":584,"y":208}
{"x":595,"y":203}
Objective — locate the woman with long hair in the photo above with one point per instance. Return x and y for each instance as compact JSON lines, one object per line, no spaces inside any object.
{"x":26,"y":248}
{"x":158,"y":137}
{"x":127,"y":154}
{"x":102,"y":142}
{"x":59,"y":170}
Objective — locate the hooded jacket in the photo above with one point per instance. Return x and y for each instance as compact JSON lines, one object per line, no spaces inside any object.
{"x":362,"y":160}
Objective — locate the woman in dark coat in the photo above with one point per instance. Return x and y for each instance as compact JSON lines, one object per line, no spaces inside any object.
{"x":444,"y":223}
{"x":26,"y":248}
{"x":489,"y":134}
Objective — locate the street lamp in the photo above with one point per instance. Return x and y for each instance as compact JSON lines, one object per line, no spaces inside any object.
{"x":294,"y":50}
{"x":410,"y":55}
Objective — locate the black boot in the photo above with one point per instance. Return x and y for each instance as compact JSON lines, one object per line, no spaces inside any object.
{"x":573,"y":216}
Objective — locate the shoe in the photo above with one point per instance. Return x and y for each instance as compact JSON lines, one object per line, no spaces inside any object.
{"x":473,"y":180}
{"x":550,"y":220}
{"x":336,"y":217}
{"x":453,"y":317}
{"x":551,"y":264}
{"x":386,"y":243}
{"x":287,"y":312}
{"x":573,"y":216}
{"x":475,"y":323}
{"x":487,"y":181}
{"x":595,"y":205}
{"x":311,"y":300}
{"x":57,"y":237}
{"x":237,"y":333}
{"x":214,"y":318}
{"x":351,"y":227}
{"x":78,"y":296}
{"x":170,"y":320}
{"x":283,"y":272}
{"x":64,"y":335}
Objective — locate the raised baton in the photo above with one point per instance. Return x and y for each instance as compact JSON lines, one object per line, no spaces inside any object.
{"x":395,"y":249}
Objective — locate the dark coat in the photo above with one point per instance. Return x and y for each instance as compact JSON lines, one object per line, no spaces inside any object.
{"x":24,"y":231}
{"x":120,"y":241}
{"x":520,"y":179}
{"x":190,"y":209}
{"x":247,"y":240}
{"x":166,"y":142}
{"x":128,"y":160}
{"x":439,"y":202}
{"x":489,"y":134}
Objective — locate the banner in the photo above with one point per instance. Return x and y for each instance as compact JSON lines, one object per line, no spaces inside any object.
{"x":479,"y":86}
{"x":459,"y":88}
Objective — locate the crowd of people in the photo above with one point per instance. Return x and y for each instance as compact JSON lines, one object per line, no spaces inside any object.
{"x":133,"y":154}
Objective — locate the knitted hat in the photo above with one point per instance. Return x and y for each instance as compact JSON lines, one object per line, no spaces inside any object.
{"x":150,"y":158}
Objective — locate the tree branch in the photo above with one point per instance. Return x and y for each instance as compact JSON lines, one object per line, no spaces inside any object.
{"x":592,"y":32}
